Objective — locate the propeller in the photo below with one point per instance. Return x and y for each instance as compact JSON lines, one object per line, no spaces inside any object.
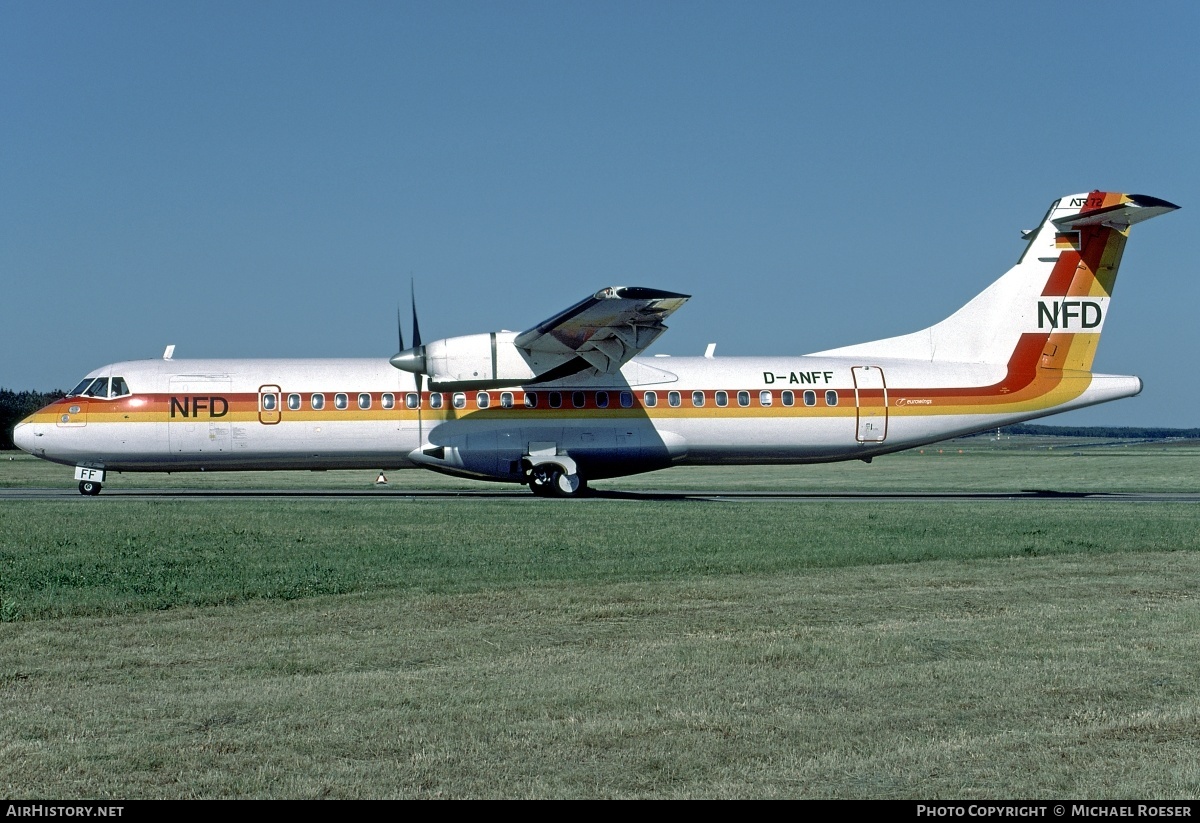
{"x":411,"y":359}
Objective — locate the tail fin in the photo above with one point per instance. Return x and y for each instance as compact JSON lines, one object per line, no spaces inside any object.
{"x":1059,"y":291}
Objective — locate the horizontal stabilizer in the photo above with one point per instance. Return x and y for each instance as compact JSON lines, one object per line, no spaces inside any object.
{"x":1121,"y":216}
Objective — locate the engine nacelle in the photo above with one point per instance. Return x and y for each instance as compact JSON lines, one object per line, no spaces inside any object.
{"x":473,"y":361}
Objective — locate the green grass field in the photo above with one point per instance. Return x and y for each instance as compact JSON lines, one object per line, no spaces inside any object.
{"x":398,"y":647}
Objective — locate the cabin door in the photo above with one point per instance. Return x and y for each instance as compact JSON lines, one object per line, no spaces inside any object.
{"x":270,"y":398}
{"x":870,"y":396}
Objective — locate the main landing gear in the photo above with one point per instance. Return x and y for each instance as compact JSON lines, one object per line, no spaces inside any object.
{"x":550,"y":480}
{"x":89,"y":487}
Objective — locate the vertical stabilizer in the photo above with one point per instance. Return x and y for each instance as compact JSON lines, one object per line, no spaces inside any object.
{"x":1058,"y":292}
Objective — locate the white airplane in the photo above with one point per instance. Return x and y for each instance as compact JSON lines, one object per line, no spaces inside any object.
{"x":568,"y":400}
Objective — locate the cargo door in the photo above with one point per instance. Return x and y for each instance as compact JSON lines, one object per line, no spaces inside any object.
{"x":198,"y":415}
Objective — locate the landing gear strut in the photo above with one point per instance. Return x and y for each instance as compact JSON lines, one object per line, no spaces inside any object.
{"x":89,"y":487}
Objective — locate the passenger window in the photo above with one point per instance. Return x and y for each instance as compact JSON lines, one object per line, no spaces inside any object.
{"x":388,"y":401}
{"x":578,"y":399}
{"x":626,"y":399}
{"x":788,"y":397}
{"x":317,"y":401}
{"x":506,"y":400}
{"x":364,"y":401}
{"x":650,"y":398}
{"x":722,"y":398}
{"x":555,"y":400}
{"x":483,"y":400}
{"x":810,"y":398}
{"x":435,"y":400}
{"x":268,"y":401}
{"x":459,"y":399}
{"x":531,"y":400}
{"x":697,"y":398}
{"x":743,"y":398}
{"x":341,"y":401}
{"x":764,"y":398}
{"x":830,"y":398}
{"x":602,"y":400}
{"x":294,"y":402}
{"x":673,"y":398}
{"x":412,"y":400}
{"x":119,"y":389}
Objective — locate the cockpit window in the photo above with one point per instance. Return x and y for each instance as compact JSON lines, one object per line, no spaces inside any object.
{"x":83,"y":384}
{"x":101,"y":387}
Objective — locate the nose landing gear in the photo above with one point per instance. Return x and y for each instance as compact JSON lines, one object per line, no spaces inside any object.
{"x":89,"y":487}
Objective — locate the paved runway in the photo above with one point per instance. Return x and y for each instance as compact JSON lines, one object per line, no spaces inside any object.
{"x":518,"y":493}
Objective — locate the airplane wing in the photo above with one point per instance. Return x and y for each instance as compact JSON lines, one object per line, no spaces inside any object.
{"x":605,"y":330}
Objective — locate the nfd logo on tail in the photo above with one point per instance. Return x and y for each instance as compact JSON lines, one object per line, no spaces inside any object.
{"x":1071,"y":315}
{"x":571,"y":400}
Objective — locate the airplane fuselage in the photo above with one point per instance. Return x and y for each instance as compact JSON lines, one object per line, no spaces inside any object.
{"x":207,"y":415}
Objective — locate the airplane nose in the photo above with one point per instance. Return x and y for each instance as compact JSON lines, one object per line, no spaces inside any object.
{"x":23,"y":437}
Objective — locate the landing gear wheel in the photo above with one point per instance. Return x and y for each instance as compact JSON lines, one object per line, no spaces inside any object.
{"x":549,"y":480}
{"x":567,"y":485}
{"x":89,"y":487}
{"x":539,"y":481}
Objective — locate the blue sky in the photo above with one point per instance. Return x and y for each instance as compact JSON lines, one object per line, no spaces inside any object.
{"x":264,"y":179}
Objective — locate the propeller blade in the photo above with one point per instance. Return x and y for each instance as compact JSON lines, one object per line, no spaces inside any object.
{"x":417,"y":337}
{"x":399,"y":329}
{"x":416,"y":327}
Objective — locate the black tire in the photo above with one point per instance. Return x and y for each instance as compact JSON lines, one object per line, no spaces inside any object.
{"x":539,"y":481}
{"x":89,"y":488}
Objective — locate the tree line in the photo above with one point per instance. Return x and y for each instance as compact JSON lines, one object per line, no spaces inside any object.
{"x":1115,"y":432}
{"x":16,"y":406}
